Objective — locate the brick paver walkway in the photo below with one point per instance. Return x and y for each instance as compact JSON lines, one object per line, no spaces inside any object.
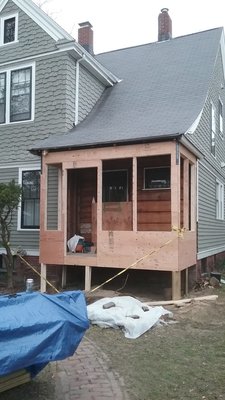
{"x":88,"y":376}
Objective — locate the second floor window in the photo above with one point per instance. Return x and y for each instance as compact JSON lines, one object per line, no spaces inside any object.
{"x":213,"y":130}
{"x":2,"y":97}
{"x":16,"y":95}
{"x":20,"y":96}
{"x":221,"y":118}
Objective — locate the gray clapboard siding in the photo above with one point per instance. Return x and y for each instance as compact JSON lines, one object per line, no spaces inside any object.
{"x":90,"y":90}
{"x":52,"y":198}
{"x":211,"y":231}
{"x":32,"y":39}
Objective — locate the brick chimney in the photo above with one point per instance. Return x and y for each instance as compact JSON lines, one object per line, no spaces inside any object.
{"x":164,"y":25}
{"x":85,"y":36}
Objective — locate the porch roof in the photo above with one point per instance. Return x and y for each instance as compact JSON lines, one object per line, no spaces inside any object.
{"x":162,"y":91}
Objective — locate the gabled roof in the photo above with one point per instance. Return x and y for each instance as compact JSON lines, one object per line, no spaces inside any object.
{"x":163,"y":90}
{"x":64,"y":40}
{"x":41,"y":18}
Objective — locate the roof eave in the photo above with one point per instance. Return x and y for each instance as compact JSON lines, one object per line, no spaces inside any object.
{"x":89,"y":62}
{"x":38,"y":151}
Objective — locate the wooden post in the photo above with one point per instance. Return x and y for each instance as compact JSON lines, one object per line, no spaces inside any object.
{"x":186,"y":282}
{"x":186,"y":190}
{"x":87,"y":285}
{"x":176,"y":285}
{"x":43,"y":277}
{"x":64,"y":271}
{"x":134,"y":191}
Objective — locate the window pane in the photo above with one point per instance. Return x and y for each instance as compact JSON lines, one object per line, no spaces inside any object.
{"x":9,"y":30}
{"x":114,"y":186}
{"x":157,"y":178}
{"x":2,"y":97}
{"x":30,"y":199}
{"x":20,"y":105}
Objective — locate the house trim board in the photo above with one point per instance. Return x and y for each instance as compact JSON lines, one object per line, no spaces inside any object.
{"x":29,"y":252}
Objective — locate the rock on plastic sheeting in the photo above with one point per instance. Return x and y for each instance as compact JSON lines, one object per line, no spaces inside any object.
{"x":125,"y":315}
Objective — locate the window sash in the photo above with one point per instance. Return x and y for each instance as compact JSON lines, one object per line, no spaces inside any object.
{"x":213,"y":130}
{"x":20,"y":94}
{"x":9,"y":30}
{"x":219,"y":200}
{"x":221,"y":117}
{"x":30,"y":202}
{"x":2,"y":97}
{"x":157,"y":178}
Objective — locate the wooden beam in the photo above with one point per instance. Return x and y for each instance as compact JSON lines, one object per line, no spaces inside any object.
{"x":181,"y":301}
{"x":176,"y":285}
{"x":87,"y":286}
{"x":14,"y":379}
{"x":43,"y":277}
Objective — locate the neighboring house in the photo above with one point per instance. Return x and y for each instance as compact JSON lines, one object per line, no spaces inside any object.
{"x":48,"y":83}
{"x":147,"y":159}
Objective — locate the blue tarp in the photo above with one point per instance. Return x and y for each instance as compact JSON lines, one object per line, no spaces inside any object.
{"x":37,"y":328}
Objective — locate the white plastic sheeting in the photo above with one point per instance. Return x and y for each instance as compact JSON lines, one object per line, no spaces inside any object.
{"x":125,"y":315}
{"x":73,"y":241}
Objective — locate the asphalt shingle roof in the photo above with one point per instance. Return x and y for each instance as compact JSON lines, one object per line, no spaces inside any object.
{"x":162,"y":90}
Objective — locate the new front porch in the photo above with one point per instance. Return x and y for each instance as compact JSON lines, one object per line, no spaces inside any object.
{"x":126,"y":202}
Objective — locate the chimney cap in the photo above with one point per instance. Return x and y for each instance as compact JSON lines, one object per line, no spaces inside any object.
{"x":84,"y":24}
{"x":164,"y":9}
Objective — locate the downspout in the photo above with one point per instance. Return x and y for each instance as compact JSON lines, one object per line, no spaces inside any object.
{"x":77,"y":91}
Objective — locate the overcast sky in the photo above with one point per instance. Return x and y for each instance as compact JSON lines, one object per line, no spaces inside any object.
{"x":125,"y":23}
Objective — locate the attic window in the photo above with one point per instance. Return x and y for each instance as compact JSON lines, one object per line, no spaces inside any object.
{"x":9,"y":29}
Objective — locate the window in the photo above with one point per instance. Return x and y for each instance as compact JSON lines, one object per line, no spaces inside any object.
{"x":17,"y":95}
{"x":213,"y":130}
{"x":219,"y":200}
{"x":30,"y":201}
{"x":157,"y":178}
{"x":220,"y":117}
{"x":115,"y":186}
{"x":20,"y":96}
{"x":9,"y":29}
{"x":2,"y":97}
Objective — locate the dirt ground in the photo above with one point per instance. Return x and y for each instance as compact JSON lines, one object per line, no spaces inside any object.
{"x":180,"y":361}
{"x":184,"y":360}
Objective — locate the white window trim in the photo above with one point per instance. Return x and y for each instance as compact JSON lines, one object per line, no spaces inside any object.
{"x":219,"y":200}
{"x":213,"y":125}
{"x":221,"y":132}
{"x":2,"y":25}
{"x":8,"y":71}
{"x":21,"y":170}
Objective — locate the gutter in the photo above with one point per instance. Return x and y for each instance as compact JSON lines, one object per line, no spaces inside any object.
{"x":77,"y":91}
{"x":186,"y":143}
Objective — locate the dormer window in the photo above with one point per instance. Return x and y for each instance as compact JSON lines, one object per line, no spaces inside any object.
{"x":9,"y":29}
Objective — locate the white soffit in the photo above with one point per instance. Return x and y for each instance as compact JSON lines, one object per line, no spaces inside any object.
{"x":41,"y":18}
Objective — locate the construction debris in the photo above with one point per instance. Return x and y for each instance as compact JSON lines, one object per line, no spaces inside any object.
{"x":181,"y":301}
